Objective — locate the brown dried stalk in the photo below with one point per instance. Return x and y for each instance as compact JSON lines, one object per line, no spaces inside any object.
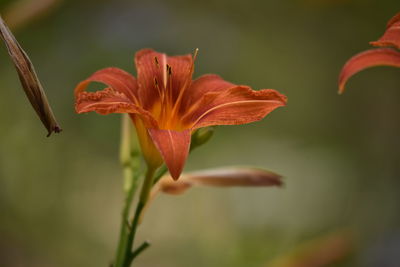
{"x":29,"y":80}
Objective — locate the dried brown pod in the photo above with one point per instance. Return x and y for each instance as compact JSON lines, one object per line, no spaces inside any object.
{"x":29,"y":80}
{"x":221,"y":177}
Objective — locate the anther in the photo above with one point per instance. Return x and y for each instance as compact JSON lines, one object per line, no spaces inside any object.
{"x":196,"y":51}
{"x":169,"y":70}
{"x":156,"y":61}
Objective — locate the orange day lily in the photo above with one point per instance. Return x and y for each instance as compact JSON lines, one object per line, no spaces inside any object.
{"x":375,"y":57}
{"x":166,"y":106}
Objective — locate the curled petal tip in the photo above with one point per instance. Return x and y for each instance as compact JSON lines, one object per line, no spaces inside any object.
{"x":393,"y":20}
{"x":117,"y":79}
{"x":375,"y":57}
{"x":341,"y":89}
{"x":368,"y":59}
{"x":391,"y":37}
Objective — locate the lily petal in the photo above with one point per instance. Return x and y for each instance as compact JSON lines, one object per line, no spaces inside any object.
{"x":174,"y":148}
{"x":105,"y":102}
{"x":205,"y":84}
{"x":152,"y":65}
{"x":391,"y":37}
{"x":236,"y":105}
{"x":115,"y":78}
{"x":395,"y":19}
{"x":367,"y":59}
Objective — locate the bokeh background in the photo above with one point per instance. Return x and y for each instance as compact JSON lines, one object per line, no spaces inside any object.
{"x":60,"y":197}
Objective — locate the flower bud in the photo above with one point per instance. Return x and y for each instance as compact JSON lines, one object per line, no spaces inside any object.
{"x":222,"y":177}
{"x":201,"y":136}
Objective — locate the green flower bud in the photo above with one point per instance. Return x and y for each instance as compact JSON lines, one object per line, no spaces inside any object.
{"x":201,"y":136}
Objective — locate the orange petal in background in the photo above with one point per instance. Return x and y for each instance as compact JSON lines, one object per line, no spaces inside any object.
{"x":368,"y":59}
{"x":391,"y":37}
{"x":330,"y":249}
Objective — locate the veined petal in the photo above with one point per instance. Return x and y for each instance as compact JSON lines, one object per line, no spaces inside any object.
{"x":152,"y":65}
{"x":236,"y":105}
{"x":391,"y":37}
{"x":174,"y":148}
{"x":367,"y":59}
{"x":115,"y":78}
{"x":202,"y":85}
{"x":104,"y":102}
{"x":150,"y":153}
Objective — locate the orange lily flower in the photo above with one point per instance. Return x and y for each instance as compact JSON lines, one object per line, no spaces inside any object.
{"x":166,"y":106}
{"x":375,"y":57}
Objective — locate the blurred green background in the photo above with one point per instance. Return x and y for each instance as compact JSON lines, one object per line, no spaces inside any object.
{"x":60,"y":197}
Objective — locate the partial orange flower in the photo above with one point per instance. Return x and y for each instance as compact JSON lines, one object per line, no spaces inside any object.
{"x":166,"y":106}
{"x":375,"y":57}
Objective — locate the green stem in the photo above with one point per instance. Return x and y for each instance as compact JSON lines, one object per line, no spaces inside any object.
{"x":128,"y":256}
{"x":130,"y":161}
{"x":160,"y":173}
{"x":123,"y":235}
{"x":139,"y":250}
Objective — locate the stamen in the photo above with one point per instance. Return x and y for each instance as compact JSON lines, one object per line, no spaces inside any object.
{"x":156,"y":84}
{"x":196,"y":51}
{"x":164,"y":72}
{"x":160,"y":93}
{"x":170,"y":80}
{"x":169,"y":85}
{"x":185,"y":85}
{"x":156,"y":61}
{"x":169,"y":70}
